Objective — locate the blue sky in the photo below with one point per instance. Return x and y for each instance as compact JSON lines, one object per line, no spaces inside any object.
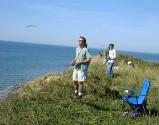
{"x":131,"y":24}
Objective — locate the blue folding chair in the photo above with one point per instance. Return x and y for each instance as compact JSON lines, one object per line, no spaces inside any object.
{"x":138,"y":102}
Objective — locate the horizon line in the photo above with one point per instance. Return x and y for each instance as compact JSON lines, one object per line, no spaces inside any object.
{"x":49,"y":44}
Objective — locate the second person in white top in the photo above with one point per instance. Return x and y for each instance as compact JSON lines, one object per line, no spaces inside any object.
{"x":112,"y":55}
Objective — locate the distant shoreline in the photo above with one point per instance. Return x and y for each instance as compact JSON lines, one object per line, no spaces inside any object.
{"x":48,"y":44}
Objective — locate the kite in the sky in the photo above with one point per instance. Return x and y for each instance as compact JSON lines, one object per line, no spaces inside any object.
{"x":30,"y":26}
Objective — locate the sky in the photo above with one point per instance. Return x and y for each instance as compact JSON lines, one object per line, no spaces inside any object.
{"x":132,"y":25}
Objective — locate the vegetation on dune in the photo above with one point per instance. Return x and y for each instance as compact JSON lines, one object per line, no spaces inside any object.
{"x":50,"y":100}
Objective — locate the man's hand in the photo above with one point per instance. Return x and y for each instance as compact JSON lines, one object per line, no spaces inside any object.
{"x":78,"y":62}
{"x":108,"y":58}
{"x":87,"y":61}
{"x":73,"y":62}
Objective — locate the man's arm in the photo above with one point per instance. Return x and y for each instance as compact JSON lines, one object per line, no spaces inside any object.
{"x":87,"y":61}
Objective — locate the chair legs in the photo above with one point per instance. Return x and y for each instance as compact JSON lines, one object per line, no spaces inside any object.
{"x":144,"y":110}
{"x":137,"y":110}
{"x":141,"y":109}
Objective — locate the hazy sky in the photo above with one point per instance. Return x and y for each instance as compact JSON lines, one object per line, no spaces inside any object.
{"x":130,"y":24}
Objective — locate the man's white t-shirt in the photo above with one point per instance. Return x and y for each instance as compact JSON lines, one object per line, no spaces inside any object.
{"x":112,"y":55}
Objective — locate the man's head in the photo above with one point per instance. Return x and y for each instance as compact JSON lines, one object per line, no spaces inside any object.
{"x":111,"y":46}
{"x":82,"y":41}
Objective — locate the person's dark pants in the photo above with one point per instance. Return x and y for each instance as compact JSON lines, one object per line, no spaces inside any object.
{"x":110,"y":69}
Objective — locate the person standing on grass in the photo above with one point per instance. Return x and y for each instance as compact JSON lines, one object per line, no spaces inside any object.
{"x":112,"y":54}
{"x":81,"y":63}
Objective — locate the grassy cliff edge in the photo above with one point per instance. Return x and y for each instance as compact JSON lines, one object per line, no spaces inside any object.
{"x":50,"y":101}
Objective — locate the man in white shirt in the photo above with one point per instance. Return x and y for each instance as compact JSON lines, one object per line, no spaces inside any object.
{"x":111,"y":59}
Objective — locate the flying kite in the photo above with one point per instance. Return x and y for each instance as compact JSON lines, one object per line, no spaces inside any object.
{"x":31,"y":26}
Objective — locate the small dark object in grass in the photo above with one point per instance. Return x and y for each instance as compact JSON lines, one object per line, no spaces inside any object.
{"x":80,"y":97}
{"x":134,"y":114}
{"x":97,"y":78}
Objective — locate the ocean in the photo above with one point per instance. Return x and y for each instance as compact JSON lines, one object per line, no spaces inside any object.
{"x":22,"y":62}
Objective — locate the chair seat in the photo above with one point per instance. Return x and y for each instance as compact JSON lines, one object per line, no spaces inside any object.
{"x":131,"y":100}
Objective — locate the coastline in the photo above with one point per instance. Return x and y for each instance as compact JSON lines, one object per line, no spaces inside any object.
{"x":11,"y":90}
{"x":19,"y":88}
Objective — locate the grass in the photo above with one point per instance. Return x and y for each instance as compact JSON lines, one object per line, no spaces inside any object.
{"x":49,"y":100}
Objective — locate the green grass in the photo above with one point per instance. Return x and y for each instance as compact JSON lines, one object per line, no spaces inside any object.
{"x":51,"y":102}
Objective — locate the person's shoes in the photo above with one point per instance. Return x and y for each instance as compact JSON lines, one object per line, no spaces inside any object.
{"x":76,"y":93}
{"x":80,"y":95}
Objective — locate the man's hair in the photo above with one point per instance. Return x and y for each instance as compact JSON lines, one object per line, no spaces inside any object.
{"x":84,"y":40}
{"x":112,"y":45}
